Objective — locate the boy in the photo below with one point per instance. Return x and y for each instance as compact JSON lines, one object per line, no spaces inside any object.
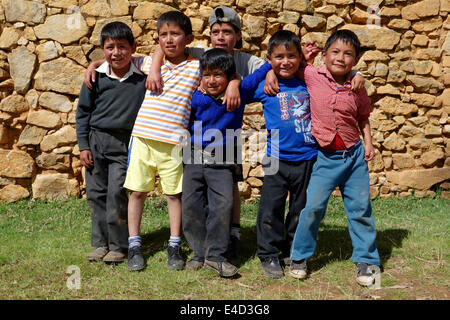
{"x":157,"y":132}
{"x":337,"y":113}
{"x":105,"y":117}
{"x":207,"y":196}
{"x":290,"y":146}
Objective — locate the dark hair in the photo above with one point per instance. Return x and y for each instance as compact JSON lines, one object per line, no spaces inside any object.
{"x":116,"y":30}
{"x":344,"y":35}
{"x":218,"y":59}
{"x":284,"y":38}
{"x":176,"y":17}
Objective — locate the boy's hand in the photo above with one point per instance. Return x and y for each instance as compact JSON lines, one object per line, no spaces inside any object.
{"x":86,"y":158}
{"x":89,"y":75}
{"x":232,"y":97}
{"x":154,"y":83}
{"x":310,"y":50}
{"x":358,"y":82}
{"x":271,"y":86}
{"x":369,"y":152}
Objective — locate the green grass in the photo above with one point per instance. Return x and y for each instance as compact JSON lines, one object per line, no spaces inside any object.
{"x":40,"y":240}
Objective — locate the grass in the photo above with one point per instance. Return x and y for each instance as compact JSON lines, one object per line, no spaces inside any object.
{"x":39,"y":241}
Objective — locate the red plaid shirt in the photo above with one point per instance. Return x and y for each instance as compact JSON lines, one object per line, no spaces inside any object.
{"x":335,"y":111}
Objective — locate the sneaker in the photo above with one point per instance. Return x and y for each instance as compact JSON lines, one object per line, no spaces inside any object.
{"x":135,"y":259}
{"x":286,"y":261}
{"x":195,"y":264}
{"x":114,"y":257}
{"x":223,"y":268}
{"x":298,"y":269}
{"x":97,"y":254}
{"x":363,"y":276}
{"x":271,"y":267}
{"x":174,"y":259}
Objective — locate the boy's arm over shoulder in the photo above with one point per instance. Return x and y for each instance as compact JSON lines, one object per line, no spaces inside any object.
{"x":251,"y":82}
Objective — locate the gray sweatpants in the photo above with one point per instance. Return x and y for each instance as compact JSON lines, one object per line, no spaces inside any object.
{"x":104,"y":188}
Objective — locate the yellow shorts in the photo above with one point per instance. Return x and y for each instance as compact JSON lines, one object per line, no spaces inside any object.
{"x":145,"y":158}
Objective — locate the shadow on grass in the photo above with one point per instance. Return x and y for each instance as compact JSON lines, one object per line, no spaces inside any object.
{"x":154,"y":242}
{"x":333,"y":244}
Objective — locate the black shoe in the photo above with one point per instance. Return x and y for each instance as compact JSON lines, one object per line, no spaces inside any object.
{"x":195,"y":264}
{"x":135,"y":259}
{"x":271,"y":267}
{"x":174,"y":259}
{"x":223,"y":268}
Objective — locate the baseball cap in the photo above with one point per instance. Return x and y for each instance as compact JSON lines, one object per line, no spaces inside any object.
{"x":225,"y":14}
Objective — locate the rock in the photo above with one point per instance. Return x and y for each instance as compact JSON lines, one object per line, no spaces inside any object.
{"x":422,"y":9}
{"x":44,"y":118}
{"x":399,"y":24}
{"x":95,"y":36}
{"x":54,"y":186}
{"x":15,"y":104}
{"x":253,"y":25}
{"x":119,"y":7}
{"x":31,"y":135}
{"x":334,"y":21}
{"x":150,"y":10}
{"x":64,"y":136}
{"x":22,"y":64}
{"x":257,"y":172}
{"x":60,"y":75}
{"x":16,"y":164}
{"x":430,"y":158}
{"x":302,"y":6}
{"x":63,"y":28}
{"x":25,"y":11}
{"x":313,"y":22}
{"x":394,"y":106}
{"x":422,"y":179}
{"x":422,"y":67}
{"x":374,"y":55}
{"x":433,"y":131}
{"x":426,"y":85}
{"x":254,"y":182}
{"x":420,"y":40}
{"x":97,"y":8}
{"x":403,"y":160}
{"x":410,"y":131}
{"x":427,"y":25}
{"x":12,"y":193}
{"x":372,"y":36}
{"x":46,"y":51}
{"x":55,"y":102}
{"x":394,"y":142}
{"x":259,"y":7}
{"x":396,"y":76}
{"x":319,"y":37}
{"x":9,"y":38}
{"x":388,"y":89}
{"x":376,"y":164}
{"x":54,"y":161}
{"x":423,"y":99}
{"x":63,"y":3}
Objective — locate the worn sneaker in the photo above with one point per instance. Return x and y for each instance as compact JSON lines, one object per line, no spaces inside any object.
{"x":97,"y":254}
{"x":363,"y":275}
{"x":195,"y":264}
{"x":271,"y":267}
{"x":298,"y":269}
{"x":223,"y":268}
{"x":135,"y":259}
{"x":114,"y":257}
{"x":174,"y":259}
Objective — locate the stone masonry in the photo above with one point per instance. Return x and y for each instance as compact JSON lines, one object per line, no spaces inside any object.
{"x":46,"y":45}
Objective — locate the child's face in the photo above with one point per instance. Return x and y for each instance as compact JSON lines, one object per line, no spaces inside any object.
{"x":224,"y":37}
{"x":340,"y":59}
{"x":214,"y":81}
{"x":118,"y":53}
{"x":173,"y":41}
{"x":285,"y":61}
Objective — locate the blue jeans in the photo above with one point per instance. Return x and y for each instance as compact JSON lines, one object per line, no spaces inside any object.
{"x":348,"y":170}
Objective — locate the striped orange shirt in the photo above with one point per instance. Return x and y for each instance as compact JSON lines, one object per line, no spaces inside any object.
{"x":164,"y":117}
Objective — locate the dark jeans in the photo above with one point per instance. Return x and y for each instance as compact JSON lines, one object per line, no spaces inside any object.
{"x":105,"y":193}
{"x":274,"y":233}
{"x":207,"y":201}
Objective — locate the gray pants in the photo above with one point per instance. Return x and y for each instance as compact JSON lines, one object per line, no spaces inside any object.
{"x":207,"y":201}
{"x":104,"y":188}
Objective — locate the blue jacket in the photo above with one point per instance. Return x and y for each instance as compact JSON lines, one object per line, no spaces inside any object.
{"x":210,"y":119}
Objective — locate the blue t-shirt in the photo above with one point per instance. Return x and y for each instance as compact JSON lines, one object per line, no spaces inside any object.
{"x":288,"y":112}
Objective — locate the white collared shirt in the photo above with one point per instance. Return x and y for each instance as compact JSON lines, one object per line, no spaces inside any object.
{"x":104,"y":68}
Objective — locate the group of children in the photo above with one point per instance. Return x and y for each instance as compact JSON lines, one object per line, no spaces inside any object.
{"x":131,"y":127}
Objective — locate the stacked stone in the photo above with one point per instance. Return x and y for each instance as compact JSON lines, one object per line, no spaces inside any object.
{"x":45,"y":46}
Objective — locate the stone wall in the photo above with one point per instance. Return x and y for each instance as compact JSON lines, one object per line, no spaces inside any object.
{"x":45,"y":46}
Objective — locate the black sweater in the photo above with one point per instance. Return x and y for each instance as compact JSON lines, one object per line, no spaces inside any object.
{"x":111,"y":106}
